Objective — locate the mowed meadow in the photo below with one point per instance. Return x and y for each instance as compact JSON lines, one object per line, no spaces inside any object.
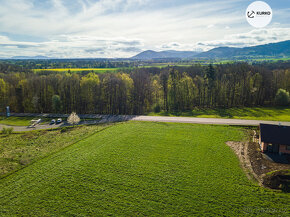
{"x":142,"y":169}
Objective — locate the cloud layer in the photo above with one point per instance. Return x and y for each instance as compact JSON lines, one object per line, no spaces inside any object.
{"x":122,"y":28}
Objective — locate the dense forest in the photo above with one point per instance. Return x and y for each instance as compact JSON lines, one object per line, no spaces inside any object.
{"x":86,"y":63}
{"x":143,"y":89}
{"x":68,"y":63}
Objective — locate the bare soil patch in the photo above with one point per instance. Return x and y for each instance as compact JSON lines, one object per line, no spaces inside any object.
{"x":255,"y":164}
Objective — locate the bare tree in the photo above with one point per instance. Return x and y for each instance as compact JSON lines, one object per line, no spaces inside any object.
{"x":73,"y":119}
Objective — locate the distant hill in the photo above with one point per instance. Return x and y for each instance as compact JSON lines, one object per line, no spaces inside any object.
{"x":280,"y":49}
{"x":31,"y":57}
{"x":150,"y":54}
{"x":274,"y":50}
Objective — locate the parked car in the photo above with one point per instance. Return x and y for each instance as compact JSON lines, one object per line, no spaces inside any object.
{"x":35,"y":122}
{"x":52,"y":122}
{"x":59,"y":121}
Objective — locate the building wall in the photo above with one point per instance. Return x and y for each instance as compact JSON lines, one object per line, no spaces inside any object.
{"x":263,"y":146}
{"x":283,"y":149}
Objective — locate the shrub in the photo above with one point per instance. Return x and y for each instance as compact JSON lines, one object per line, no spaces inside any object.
{"x":282,"y":97}
{"x":24,"y":161}
{"x":157,"y":108}
{"x":7,"y":131}
{"x":65,"y":129}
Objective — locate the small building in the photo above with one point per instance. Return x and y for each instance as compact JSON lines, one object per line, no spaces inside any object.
{"x":274,"y":138}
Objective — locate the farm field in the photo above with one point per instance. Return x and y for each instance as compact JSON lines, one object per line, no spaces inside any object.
{"x":148,"y":169}
{"x":97,"y":70}
{"x":254,"y":113}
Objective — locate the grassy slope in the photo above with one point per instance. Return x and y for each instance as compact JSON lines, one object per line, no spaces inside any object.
{"x":16,"y":121}
{"x":21,"y":149}
{"x":255,"y":113}
{"x":142,"y":169}
{"x":21,"y":121}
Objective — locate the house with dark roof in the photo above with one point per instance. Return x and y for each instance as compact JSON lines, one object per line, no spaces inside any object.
{"x":274,"y":138}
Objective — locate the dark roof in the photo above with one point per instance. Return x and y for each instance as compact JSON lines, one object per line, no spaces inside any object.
{"x":275,"y":134}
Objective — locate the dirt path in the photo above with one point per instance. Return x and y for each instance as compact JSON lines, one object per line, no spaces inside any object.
{"x":241,"y":150}
{"x":253,"y":162}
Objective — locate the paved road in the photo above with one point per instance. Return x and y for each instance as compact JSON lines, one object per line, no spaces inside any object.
{"x":206,"y":120}
{"x":118,"y":118}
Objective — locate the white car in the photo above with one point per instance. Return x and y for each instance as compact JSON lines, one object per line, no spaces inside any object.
{"x":59,"y":121}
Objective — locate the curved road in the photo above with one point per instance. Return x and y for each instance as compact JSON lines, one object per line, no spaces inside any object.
{"x":118,"y":118}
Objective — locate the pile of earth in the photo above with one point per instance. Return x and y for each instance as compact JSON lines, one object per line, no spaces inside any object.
{"x":278,"y":180}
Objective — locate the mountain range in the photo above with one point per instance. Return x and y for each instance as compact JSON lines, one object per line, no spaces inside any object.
{"x":150,"y":54}
{"x":272,"y":50}
{"x":31,"y":57}
{"x":278,"y":50}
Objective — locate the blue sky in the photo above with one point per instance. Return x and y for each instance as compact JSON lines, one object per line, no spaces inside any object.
{"x":122,"y":28}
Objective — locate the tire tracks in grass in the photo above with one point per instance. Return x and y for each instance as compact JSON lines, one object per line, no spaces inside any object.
{"x":58,"y":151}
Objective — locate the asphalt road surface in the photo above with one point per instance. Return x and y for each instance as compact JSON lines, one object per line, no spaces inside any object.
{"x":118,"y":118}
{"x":206,"y":120}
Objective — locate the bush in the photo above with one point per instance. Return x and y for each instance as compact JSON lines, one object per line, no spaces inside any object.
{"x":7,"y":131}
{"x":157,"y":108}
{"x":65,"y":129}
{"x":282,"y":97}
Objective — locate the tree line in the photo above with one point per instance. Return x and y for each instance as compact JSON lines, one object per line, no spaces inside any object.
{"x":144,"y":90}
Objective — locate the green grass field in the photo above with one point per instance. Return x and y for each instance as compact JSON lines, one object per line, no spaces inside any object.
{"x":21,"y":121}
{"x":21,"y":149}
{"x":97,"y":70}
{"x":142,"y":169}
{"x":255,"y":113}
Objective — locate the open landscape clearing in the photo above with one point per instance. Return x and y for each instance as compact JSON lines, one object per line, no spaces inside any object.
{"x":144,"y":108}
{"x":167,"y":169}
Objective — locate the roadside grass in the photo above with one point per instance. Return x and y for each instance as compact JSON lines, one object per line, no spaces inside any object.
{"x":26,"y":121}
{"x":254,"y":113}
{"x":21,"y":121}
{"x":21,"y":149}
{"x":142,"y":169}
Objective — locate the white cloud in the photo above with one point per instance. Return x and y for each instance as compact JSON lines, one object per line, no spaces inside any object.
{"x":210,"y":26}
{"x":120,"y":28}
{"x":251,"y":38}
{"x":72,"y":46}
